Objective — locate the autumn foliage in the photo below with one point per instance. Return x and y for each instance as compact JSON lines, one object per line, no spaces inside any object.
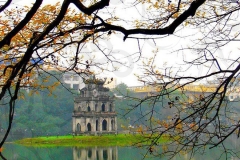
{"x":36,"y":38}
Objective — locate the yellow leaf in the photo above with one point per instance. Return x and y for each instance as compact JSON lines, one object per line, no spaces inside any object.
{"x":175,"y":15}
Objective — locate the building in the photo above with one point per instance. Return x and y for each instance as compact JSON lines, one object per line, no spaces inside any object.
{"x":234,"y":93}
{"x":73,"y":80}
{"x":95,"y":153}
{"x":234,"y":89}
{"x":94,"y":110}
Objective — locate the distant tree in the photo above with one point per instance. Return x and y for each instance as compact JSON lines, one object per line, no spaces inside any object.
{"x":36,"y":110}
{"x":123,"y":104}
{"x":37,"y":35}
{"x":122,"y":90}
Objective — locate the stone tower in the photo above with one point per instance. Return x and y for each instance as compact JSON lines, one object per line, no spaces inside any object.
{"x":94,"y":110}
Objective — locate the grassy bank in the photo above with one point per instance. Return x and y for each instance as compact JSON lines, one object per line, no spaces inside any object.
{"x":83,"y":141}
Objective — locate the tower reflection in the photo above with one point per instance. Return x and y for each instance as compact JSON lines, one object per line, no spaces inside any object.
{"x":95,"y":153}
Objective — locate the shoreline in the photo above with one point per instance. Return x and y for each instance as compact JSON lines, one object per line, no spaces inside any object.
{"x":88,"y":140}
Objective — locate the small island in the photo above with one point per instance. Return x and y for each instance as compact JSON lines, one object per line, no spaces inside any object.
{"x":90,"y":140}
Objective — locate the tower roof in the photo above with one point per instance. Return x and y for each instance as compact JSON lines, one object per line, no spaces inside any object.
{"x":95,"y":80}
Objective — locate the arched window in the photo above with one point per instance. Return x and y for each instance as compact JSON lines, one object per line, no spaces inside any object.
{"x":112,"y":125}
{"x":79,"y":108}
{"x":96,"y":107}
{"x":89,"y":153}
{"x":88,"y":108}
{"x":113,"y":155}
{"x":82,"y":93}
{"x":89,"y":127}
{"x":97,"y":125}
{"x":97,"y":155}
{"x":78,"y":153}
{"x":104,"y":125}
{"x":111,"y":109}
{"x":105,"y":154}
{"x":103,"y":107}
{"x":78,"y":127}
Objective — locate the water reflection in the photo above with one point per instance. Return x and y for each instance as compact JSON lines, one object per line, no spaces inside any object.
{"x":18,"y":152}
{"x":95,"y":153}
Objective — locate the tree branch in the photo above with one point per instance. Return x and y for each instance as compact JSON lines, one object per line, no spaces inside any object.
{"x":160,"y":31}
{"x":99,"y":5}
{"x":3,"y":7}
{"x":7,"y":39}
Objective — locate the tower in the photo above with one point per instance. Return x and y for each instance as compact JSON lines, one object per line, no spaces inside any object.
{"x":94,"y":110}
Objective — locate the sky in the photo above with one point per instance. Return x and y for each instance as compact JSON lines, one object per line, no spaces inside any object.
{"x":121,"y":49}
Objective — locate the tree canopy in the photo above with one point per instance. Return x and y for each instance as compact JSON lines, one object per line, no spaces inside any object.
{"x":36,"y":38}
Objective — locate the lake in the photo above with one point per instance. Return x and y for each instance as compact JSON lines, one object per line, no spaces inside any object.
{"x":17,"y":152}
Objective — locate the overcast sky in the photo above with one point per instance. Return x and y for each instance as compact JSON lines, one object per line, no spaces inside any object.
{"x":122,"y":49}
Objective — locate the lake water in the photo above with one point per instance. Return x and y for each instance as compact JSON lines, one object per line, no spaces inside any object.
{"x":18,"y":152}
